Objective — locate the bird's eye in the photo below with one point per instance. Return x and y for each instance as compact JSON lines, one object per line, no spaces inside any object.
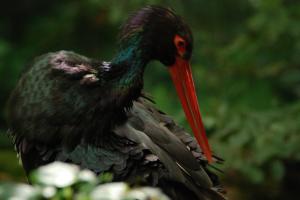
{"x":180,"y":45}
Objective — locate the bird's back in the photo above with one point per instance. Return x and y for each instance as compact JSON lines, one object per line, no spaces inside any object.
{"x":63,"y":110}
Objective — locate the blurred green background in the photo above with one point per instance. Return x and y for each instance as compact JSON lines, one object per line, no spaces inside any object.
{"x":246,"y":65}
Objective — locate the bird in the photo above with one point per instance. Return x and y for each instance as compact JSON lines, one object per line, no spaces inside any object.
{"x":95,"y":114}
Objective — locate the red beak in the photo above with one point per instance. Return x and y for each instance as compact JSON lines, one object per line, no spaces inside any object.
{"x":182,"y":78}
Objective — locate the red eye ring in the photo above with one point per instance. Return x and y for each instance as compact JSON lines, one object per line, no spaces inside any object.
{"x":180,"y":45}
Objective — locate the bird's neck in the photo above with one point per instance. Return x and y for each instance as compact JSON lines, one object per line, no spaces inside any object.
{"x":129,"y":64}
{"x":125,"y":73}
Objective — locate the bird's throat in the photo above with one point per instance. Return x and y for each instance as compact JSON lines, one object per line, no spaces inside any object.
{"x":126,"y":72}
{"x":129,"y":64}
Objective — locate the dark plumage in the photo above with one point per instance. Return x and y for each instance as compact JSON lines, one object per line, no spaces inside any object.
{"x":71,"y":108}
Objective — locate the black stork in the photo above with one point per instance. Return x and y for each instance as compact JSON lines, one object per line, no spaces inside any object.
{"x":67,"y":107}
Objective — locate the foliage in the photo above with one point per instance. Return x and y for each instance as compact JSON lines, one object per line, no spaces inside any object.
{"x":58,"y":180}
{"x":263,"y":153}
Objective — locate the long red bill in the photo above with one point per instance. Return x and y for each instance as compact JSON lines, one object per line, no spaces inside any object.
{"x":182,"y":78}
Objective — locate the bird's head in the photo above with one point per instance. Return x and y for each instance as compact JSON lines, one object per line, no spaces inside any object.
{"x":162,"y":35}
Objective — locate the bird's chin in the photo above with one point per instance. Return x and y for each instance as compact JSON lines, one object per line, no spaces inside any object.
{"x":168,"y":61}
